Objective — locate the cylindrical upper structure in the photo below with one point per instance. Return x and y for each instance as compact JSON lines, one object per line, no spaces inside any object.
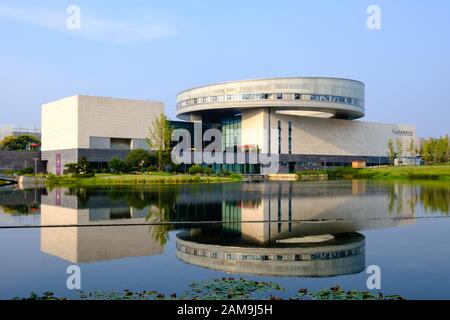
{"x":323,"y":97}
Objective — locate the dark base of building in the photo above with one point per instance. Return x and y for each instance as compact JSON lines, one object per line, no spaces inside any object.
{"x":18,"y":160}
{"x":288,"y":163}
{"x":295,"y":163}
{"x":98,"y":157}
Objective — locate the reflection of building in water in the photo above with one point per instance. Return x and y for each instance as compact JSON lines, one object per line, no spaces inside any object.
{"x":276,"y":212}
{"x":82,"y":242}
{"x":331,"y":208}
{"x":293,"y":229}
{"x":340,"y":255}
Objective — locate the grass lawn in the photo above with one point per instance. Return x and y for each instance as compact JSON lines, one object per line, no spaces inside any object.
{"x":438,"y":172}
{"x":134,"y":179}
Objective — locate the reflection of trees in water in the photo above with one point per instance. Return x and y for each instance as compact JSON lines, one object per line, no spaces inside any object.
{"x":20,"y":209}
{"x":160,"y":212}
{"x":436,"y":199}
{"x":82,"y":194}
{"x":160,"y":202}
{"x":141,"y":198}
{"x":249,"y":204}
{"x":160,"y":232}
{"x":404,"y":197}
{"x":138,"y":198}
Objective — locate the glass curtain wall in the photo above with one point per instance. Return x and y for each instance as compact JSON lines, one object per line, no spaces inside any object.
{"x":232,"y":142}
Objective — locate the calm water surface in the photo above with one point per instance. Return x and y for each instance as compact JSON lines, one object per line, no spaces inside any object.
{"x":300,"y":235}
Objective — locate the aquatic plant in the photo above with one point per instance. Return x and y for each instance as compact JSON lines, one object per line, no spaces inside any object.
{"x":225,"y":289}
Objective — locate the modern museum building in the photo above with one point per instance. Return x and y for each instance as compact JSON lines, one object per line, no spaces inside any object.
{"x":307,"y":122}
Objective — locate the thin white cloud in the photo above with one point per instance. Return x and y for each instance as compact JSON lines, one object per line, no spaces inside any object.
{"x":92,"y":27}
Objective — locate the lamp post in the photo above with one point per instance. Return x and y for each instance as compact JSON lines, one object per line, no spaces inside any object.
{"x":35,"y":165}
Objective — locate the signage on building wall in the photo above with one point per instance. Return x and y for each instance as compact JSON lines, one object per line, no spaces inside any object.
{"x":407,"y":133}
{"x":58,"y":164}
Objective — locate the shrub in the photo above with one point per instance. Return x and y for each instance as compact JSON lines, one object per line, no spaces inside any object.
{"x":105,"y":170}
{"x":72,"y":168}
{"x":117,"y":166}
{"x":225,"y":173}
{"x":82,"y":167}
{"x":195,"y":169}
{"x":51,"y":176}
{"x":25,"y":171}
{"x":138,"y":160}
{"x":208,"y":171}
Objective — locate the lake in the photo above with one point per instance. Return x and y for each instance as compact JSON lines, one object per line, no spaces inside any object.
{"x":311,"y":235}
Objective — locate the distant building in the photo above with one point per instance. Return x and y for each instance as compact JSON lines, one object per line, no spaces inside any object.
{"x":12,"y":130}
{"x":21,"y":159}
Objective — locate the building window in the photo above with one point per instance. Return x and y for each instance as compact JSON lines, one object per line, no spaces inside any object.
{"x":279,"y":136}
{"x":231,"y":131}
{"x":290,"y":137}
{"x":120,"y":144}
{"x":272,"y":96}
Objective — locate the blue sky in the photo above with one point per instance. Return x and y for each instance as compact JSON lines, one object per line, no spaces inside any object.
{"x":155,"y":49}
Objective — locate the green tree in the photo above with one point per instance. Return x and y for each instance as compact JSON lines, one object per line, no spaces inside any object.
{"x":391,"y":151}
{"x":442,"y":149}
{"x":425,"y":151}
{"x":27,"y":142}
{"x":22,"y":142}
{"x":399,"y":148}
{"x":138,"y":160}
{"x":161,"y":212}
{"x":447,"y":151}
{"x":84,"y":166}
{"x":159,"y":140}
{"x":9,"y":143}
{"x":412,"y":148}
{"x":434,"y":151}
